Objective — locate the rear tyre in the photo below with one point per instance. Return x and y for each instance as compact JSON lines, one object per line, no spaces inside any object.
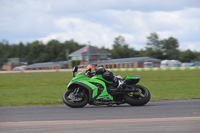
{"x":139,"y":98}
{"x":73,"y":101}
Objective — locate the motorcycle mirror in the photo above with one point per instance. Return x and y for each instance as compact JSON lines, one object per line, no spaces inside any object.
{"x":75,"y":69}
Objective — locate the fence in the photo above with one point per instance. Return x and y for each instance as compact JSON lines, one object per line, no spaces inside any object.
{"x":118,"y":69}
{"x":155,"y":69}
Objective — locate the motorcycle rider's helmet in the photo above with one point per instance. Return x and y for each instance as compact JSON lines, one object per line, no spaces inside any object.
{"x":91,"y":67}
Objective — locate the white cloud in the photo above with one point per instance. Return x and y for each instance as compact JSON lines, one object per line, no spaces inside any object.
{"x":83,"y":31}
{"x":135,"y":26}
{"x":100,"y":23}
{"x":194,"y":46}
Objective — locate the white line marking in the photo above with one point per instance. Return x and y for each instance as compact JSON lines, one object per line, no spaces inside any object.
{"x":72,"y":122}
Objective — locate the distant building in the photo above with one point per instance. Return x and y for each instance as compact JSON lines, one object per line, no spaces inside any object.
{"x":88,"y":54}
{"x":135,"y":62}
{"x":48,"y":65}
{"x":93,"y":55}
{"x":11,"y":63}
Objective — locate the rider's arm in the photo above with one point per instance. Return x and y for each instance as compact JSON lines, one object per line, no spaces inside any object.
{"x":89,"y":73}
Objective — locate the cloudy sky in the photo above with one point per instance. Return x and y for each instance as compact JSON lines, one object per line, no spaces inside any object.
{"x":101,"y":21}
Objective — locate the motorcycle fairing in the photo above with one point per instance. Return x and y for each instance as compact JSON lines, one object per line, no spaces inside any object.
{"x":132,"y":79}
{"x":88,"y":83}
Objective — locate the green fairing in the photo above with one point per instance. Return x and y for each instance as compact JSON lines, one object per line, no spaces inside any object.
{"x":104,"y":93}
{"x":99,"y":76}
{"x":78,"y":78}
{"x":95,"y":79}
{"x":94,"y":88}
{"x":131,"y":77}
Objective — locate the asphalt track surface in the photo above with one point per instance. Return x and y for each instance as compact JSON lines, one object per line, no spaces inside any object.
{"x":179,"y":116}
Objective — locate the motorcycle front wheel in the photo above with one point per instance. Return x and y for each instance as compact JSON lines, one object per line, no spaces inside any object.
{"x":139,"y":98}
{"x":71,"y":100}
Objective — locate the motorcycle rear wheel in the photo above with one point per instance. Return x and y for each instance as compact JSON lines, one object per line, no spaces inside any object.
{"x":79,"y":103}
{"x":140,"y":98}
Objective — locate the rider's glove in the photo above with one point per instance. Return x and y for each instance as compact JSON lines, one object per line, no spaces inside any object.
{"x":88,"y":73}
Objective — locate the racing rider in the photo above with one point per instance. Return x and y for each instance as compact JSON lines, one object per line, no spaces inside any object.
{"x":94,"y":69}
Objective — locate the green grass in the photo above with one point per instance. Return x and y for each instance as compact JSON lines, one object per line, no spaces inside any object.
{"x":35,"y":89}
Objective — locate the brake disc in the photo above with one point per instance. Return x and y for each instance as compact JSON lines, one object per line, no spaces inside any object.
{"x":74,"y":98}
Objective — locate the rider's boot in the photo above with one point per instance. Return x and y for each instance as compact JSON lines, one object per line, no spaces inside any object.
{"x":120,"y":85}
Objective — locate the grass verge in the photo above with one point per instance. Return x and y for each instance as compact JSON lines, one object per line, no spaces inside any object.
{"x":36,"y":89}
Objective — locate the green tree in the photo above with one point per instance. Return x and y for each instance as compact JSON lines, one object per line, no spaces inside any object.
{"x":3,"y":53}
{"x":170,"y":48}
{"x":72,"y":46}
{"x":156,"y":53}
{"x":121,"y":49}
{"x":170,"y":44}
{"x":162,"y":49}
{"x":105,"y":49}
{"x":154,"y":42}
{"x":35,"y":49}
{"x":188,"y":56}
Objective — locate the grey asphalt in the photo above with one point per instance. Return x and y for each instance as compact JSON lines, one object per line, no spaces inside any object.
{"x":159,"y":109}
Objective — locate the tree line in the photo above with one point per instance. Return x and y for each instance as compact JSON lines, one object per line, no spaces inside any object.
{"x":54,"y":50}
{"x":37,"y":52}
{"x":155,"y":47}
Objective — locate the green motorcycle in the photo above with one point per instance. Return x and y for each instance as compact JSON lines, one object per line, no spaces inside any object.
{"x":96,"y":90}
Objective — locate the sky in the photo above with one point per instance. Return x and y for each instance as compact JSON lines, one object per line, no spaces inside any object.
{"x":99,"y":22}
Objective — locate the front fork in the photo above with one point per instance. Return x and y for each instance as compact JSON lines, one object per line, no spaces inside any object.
{"x":76,"y":91}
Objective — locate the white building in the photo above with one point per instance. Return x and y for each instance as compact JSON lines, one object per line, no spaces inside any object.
{"x":170,"y":63}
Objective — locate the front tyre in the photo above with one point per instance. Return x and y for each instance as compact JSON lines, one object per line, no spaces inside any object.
{"x":71,"y":100}
{"x":139,"y":98}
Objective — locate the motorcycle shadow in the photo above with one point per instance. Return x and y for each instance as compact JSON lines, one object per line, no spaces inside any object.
{"x":113,"y":106}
